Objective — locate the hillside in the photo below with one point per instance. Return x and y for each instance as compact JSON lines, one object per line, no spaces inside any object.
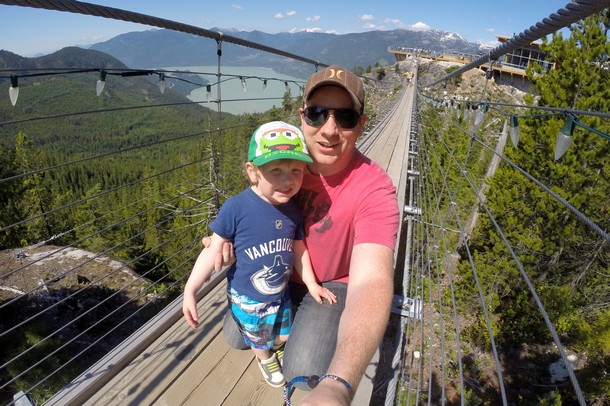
{"x":46,"y":93}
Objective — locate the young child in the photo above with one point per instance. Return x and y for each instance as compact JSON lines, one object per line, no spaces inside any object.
{"x":266,"y":229}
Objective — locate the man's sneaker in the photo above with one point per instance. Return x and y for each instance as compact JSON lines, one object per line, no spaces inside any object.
{"x":272,"y":372}
{"x":279,"y":353}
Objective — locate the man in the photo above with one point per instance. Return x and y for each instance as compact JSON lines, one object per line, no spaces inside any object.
{"x":351,"y":220}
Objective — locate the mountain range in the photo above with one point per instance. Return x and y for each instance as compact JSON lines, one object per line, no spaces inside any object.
{"x":162,"y":48}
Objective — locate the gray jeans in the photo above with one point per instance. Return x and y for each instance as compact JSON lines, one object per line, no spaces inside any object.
{"x":313,"y":338}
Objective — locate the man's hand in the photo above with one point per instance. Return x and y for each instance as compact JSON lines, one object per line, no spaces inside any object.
{"x":327,"y":393}
{"x":226,"y":258}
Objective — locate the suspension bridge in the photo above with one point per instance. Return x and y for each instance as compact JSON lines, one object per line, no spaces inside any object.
{"x":154,"y":357}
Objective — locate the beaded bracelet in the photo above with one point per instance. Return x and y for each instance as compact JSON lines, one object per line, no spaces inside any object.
{"x":312,"y":382}
{"x":339,"y":379}
{"x":288,"y":387}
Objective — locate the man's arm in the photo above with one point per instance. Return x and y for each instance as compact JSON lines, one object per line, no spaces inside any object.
{"x":224,"y":258}
{"x":363,"y":322}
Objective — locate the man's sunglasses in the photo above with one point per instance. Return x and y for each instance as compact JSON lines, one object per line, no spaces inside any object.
{"x":317,"y":116}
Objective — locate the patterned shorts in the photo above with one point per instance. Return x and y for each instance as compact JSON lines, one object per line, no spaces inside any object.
{"x":258,"y":322}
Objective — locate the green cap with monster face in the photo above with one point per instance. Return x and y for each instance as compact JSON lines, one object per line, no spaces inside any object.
{"x":277,"y":140}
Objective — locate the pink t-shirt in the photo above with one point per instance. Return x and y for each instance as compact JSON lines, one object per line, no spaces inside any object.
{"x":357,"y":205}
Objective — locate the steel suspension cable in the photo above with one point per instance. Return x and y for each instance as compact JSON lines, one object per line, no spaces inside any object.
{"x":427,"y":152}
{"x":115,"y":328}
{"x":532,"y":290}
{"x":581,"y":216}
{"x":473,"y":267}
{"x":524,"y":275}
{"x":104,"y":229}
{"x":108,"y":250}
{"x":430,"y":322}
{"x":166,"y":241}
{"x":475,"y":274}
{"x":535,"y":296}
{"x":420,"y":273}
{"x":433,"y":252}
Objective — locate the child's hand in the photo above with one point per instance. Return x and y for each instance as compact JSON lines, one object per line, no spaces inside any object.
{"x":318,"y":292}
{"x":189,"y":309}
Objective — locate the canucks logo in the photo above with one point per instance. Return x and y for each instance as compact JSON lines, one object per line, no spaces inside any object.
{"x":272,"y":279}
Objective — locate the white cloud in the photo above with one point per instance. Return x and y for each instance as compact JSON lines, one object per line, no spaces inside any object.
{"x":489,"y":30}
{"x":419,"y":26}
{"x":280,"y":16}
{"x":314,"y":18}
{"x":370,"y":26}
{"x":395,"y":21}
{"x":237,"y":6}
{"x":366,"y":17}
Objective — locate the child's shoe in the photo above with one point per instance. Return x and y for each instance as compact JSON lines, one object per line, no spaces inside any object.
{"x":279,"y":353}
{"x":272,"y":372}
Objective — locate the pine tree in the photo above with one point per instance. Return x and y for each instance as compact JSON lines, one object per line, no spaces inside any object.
{"x":558,"y":250}
{"x":35,"y":197}
{"x":9,"y":196}
{"x":580,"y":82}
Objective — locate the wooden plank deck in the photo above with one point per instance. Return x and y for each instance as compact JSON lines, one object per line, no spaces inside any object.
{"x":168,"y":363}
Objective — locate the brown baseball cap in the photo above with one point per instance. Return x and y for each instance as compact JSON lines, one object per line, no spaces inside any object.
{"x":336,"y":75}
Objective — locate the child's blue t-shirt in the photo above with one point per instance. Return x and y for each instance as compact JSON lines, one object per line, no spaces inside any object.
{"x":262,"y":236}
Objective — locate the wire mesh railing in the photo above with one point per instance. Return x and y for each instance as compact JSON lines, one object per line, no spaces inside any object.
{"x":457,"y":271}
{"x":94,"y":246}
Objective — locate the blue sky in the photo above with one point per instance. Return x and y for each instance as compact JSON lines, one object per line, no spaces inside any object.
{"x":29,"y":32}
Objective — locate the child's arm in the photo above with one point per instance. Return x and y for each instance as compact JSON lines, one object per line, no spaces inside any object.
{"x":302,"y":265}
{"x":201,"y":273}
